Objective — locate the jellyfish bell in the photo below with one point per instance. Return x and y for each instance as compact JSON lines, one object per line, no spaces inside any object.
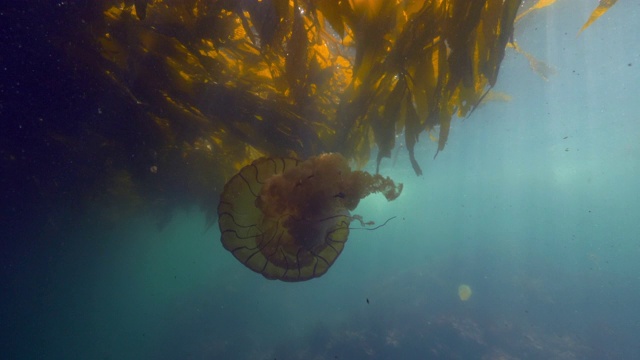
{"x":289,"y":219}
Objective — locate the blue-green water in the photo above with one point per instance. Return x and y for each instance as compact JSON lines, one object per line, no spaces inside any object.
{"x":534,"y":204}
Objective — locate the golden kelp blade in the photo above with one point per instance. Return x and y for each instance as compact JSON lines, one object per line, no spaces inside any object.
{"x":599,"y":11}
{"x":537,"y":6}
{"x":497,"y":96}
{"x":288,"y":219}
{"x":539,"y":67}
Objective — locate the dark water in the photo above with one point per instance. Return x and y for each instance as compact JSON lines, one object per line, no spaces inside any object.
{"x":534,"y":204}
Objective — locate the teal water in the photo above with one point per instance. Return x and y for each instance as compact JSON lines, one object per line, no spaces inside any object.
{"x":534,"y":204}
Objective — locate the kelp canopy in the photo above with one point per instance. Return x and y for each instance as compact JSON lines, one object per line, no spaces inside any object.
{"x":299,"y":78}
{"x":160,"y":102}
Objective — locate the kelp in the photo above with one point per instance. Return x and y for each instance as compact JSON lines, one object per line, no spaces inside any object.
{"x":199,"y":89}
{"x":298,"y":78}
{"x":540,"y":4}
{"x":541,"y":68}
{"x":603,"y":7}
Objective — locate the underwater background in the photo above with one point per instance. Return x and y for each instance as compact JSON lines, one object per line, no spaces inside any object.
{"x":534,"y":205}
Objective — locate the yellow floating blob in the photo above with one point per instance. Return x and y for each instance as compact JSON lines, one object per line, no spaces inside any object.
{"x":464,"y":292}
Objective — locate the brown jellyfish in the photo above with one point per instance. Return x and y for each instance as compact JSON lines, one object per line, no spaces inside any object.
{"x":288,"y":219}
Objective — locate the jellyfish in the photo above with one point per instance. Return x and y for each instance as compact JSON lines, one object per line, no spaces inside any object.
{"x":289,"y":219}
{"x":464,"y":292}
